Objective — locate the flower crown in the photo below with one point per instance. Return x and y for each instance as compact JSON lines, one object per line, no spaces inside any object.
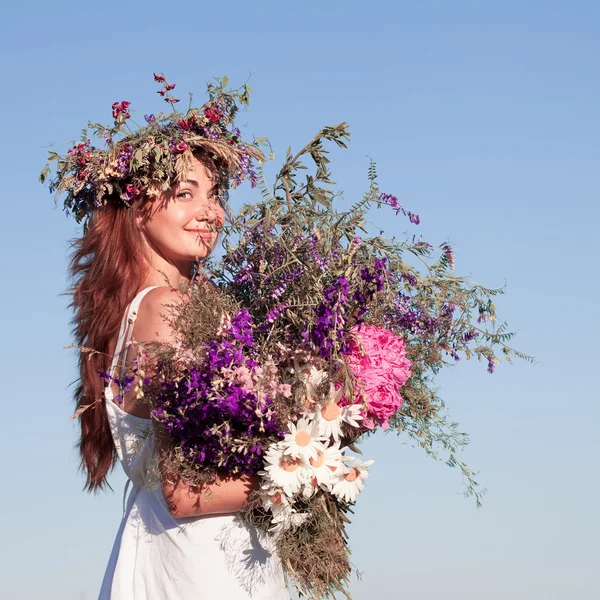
{"x":156,"y":156}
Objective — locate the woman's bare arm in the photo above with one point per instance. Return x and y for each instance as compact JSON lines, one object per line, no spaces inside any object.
{"x":227,"y":495}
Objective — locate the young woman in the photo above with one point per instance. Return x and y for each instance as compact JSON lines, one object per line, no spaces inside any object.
{"x":174,"y":542}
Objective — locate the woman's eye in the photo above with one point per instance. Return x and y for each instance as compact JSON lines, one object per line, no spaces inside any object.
{"x":184,"y":195}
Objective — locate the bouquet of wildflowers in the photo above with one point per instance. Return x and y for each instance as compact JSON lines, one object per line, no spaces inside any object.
{"x":328,"y":335}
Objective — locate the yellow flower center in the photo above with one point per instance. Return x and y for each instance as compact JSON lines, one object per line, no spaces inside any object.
{"x":289,"y":464}
{"x":317,"y":462}
{"x":352,"y":476}
{"x":303,"y":438}
{"x":331,"y":412}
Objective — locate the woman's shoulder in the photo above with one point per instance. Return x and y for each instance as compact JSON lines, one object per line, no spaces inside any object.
{"x":155,"y":313}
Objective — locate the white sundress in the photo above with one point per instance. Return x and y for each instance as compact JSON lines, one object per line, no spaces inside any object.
{"x":158,"y":557}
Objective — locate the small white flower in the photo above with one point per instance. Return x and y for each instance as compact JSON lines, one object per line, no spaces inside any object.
{"x":282,"y":470}
{"x":326,"y":463}
{"x":350,"y":479}
{"x":274,"y":499}
{"x":287,"y":520}
{"x":330,"y":416}
{"x":311,"y":377}
{"x":303,"y":440}
{"x":319,"y":472}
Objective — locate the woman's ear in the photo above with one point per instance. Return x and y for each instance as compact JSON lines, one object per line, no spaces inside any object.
{"x":141,"y":214}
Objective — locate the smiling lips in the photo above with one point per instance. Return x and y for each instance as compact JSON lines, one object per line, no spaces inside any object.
{"x":201,"y":232}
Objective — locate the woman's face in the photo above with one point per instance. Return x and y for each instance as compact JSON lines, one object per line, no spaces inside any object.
{"x":183,"y":224}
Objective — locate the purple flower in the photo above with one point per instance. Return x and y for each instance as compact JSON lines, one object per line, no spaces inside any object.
{"x":391,"y":201}
{"x":448,"y":254}
{"x":123,"y":160}
{"x":470,"y":335}
{"x":316,"y":255}
{"x":241,"y":327}
{"x":414,"y":219}
{"x":273,"y":315}
{"x":330,"y":324}
{"x":150,"y":119}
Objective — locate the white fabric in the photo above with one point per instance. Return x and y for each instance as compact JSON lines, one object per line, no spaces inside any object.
{"x":158,"y":557}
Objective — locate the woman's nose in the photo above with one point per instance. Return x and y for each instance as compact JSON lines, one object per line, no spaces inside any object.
{"x":210,"y":213}
{"x":206,"y":212}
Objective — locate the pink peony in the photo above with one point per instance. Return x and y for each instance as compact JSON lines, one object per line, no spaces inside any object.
{"x":378,"y":360}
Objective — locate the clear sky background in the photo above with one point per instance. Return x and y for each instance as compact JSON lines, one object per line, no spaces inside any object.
{"x":483,"y":118}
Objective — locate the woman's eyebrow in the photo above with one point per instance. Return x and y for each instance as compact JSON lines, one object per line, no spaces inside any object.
{"x":213,"y":188}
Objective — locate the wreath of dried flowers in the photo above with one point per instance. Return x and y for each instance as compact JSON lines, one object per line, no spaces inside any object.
{"x":149,"y":160}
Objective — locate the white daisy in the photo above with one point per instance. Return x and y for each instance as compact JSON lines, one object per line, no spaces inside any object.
{"x":303,"y":441}
{"x":274,"y":498}
{"x":318,"y":472}
{"x":330,"y":416}
{"x":310,"y":376}
{"x":325,"y":464}
{"x":286,"y":520}
{"x":282,"y":470}
{"x":350,"y":479}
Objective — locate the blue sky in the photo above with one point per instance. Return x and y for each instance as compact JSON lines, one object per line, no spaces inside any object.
{"x":483,"y":119}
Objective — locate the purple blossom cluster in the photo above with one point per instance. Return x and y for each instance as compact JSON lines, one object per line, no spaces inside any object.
{"x":322,"y":261}
{"x":125,"y":382}
{"x":273,"y":315}
{"x":448,"y":254}
{"x":409,"y":317}
{"x":392,"y":201}
{"x":219,"y":419}
{"x":373,"y":281}
{"x":124,"y":160}
{"x":330,"y":325}
{"x":344,"y":306}
{"x":246,"y":170}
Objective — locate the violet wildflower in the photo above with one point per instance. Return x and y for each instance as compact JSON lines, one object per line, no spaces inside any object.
{"x":391,"y":201}
{"x":278,"y":291}
{"x":125,"y":383}
{"x":409,"y":278}
{"x":469,"y":336}
{"x":241,"y":327}
{"x":275,"y":313}
{"x":330,"y":324}
{"x":448,"y":254}
{"x":123,"y":160}
{"x":316,"y":255}
{"x":414,"y":219}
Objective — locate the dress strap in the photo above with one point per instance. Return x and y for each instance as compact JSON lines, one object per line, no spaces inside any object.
{"x":126,"y":329}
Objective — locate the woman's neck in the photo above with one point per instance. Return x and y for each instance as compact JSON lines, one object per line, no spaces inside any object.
{"x":164,"y":273}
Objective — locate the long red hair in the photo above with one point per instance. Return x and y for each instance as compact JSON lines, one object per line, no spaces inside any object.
{"x":107,"y":267}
